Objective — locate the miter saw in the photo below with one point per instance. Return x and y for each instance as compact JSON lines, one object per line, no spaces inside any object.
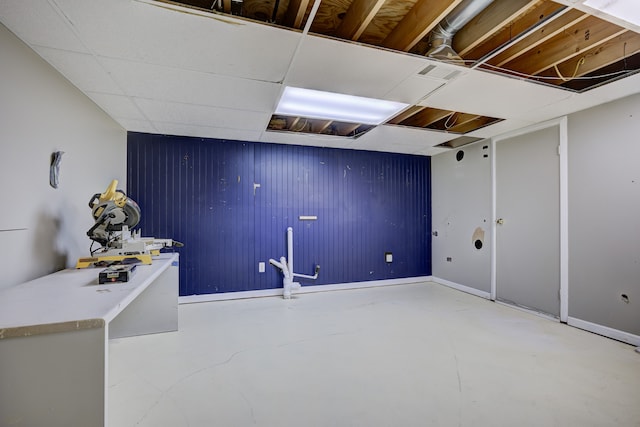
{"x":116,"y":215}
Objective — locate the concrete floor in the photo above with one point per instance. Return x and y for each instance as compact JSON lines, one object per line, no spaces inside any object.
{"x":407,"y":355}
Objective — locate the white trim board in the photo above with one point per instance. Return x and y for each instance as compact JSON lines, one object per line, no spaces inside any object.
{"x":190,"y":299}
{"x":605,"y":331}
{"x":462,"y":288}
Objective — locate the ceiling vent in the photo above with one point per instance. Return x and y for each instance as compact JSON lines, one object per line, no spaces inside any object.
{"x":437,"y":72}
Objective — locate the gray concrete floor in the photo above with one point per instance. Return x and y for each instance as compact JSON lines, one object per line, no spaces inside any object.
{"x":407,"y":355}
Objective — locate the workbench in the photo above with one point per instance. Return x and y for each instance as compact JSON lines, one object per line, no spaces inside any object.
{"x":54,"y":339}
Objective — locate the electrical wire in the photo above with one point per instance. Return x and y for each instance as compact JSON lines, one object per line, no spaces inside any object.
{"x":564,"y":79}
{"x":446,"y":123}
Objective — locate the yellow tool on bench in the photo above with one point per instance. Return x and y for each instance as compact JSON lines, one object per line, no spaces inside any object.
{"x":116,"y":215}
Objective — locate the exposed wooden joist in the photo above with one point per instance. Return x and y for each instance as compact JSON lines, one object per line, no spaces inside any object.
{"x":488,"y":22}
{"x":358,"y":17}
{"x":319,"y":126}
{"x":569,"y":43}
{"x":543,"y":34}
{"x":426,"y":117}
{"x":607,"y":53}
{"x":456,"y":120}
{"x":345,"y":129}
{"x":292,"y":122}
{"x":295,"y":13}
{"x":471,"y":124}
{"x":421,"y":19}
{"x":546,"y":13}
{"x":406,"y":114}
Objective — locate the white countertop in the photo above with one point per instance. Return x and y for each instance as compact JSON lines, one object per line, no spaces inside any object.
{"x":72,"y":299}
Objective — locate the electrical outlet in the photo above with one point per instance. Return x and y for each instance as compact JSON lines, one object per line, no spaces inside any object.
{"x":261,"y":267}
{"x":388,"y":257}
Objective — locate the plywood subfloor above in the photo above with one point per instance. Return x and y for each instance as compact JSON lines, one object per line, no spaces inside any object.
{"x":442,"y":120}
{"x":280,"y":123}
{"x":539,"y":40}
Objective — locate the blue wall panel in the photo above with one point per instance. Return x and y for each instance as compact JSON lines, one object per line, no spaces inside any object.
{"x":230,"y":202}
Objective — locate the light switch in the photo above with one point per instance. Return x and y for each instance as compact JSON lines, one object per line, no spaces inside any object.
{"x":261,"y":267}
{"x":388,"y":257}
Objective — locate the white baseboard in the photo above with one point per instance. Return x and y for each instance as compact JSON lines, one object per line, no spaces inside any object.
{"x":463,"y":288}
{"x":190,"y":299}
{"x":605,"y":331}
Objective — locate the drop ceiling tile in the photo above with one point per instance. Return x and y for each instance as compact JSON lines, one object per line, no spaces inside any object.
{"x":117,"y":106}
{"x":197,"y":115}
{"x":413,"y":89}
{"x":307,"y":139}
{"x":432,"y":151}
{"x":206,"y":131}
{"x":192,"y":87}
{"x":334,"y":66}
{"x":36,"y":22}
{"x":390,"y":136}
{"x":137,"y":125}
{"x":488,"y":94}
{"x":81,"y":69}
{"x":156,"y":34}
{"x":500,"y":128}
{"x":600,"y":95}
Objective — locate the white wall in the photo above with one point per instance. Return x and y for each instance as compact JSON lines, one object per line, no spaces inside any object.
{"x":461,"y":204}
{"x":604,"y":215}
{"x":43,"y":229}
{"x":603,"y":224}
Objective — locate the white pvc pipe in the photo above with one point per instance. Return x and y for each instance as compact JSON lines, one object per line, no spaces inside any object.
{"x":290,"y":249}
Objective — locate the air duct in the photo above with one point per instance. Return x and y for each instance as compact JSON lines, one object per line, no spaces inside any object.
{"x":441,"y":38}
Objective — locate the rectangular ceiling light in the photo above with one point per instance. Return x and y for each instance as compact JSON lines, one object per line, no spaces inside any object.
{"x":627,"y":10}
{"x":315,"y":104}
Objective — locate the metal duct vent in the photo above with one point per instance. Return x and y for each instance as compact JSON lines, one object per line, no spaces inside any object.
{"x":441,"y":38}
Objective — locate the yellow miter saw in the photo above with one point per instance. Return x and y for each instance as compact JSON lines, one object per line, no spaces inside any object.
{"x":116,"y":215}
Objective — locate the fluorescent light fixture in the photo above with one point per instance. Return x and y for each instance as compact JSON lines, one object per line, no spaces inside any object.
{"x":627,"y":10}
{"x":315,"y":104}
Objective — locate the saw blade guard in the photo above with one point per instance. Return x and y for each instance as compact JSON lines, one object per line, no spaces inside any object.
{"x":112,"y":210}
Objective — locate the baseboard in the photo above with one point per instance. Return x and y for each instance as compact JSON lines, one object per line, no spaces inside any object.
{"x":529,"y":310}
{"x":463,"y":288}
{"x":605,"y":331}
{"x":190,"y":299}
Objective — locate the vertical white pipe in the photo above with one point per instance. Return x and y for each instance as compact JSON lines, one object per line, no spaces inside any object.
{"x":290,"y":250}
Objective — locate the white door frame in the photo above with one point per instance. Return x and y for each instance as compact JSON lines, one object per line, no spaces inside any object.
{"x":561,"y":123}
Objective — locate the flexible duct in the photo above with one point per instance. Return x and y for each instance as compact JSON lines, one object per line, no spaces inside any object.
{"x":441,"y":38}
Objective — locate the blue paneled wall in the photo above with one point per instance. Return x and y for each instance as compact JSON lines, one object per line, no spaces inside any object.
{"x":231,"y":202}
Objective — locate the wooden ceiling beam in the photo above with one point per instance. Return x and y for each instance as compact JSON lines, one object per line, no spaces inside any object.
{"x":295,"y":13}
{"x":612,"y":51}
{"x":319,"y":126}
{"x":414,"y":109}
{"x":426,"y":117}
{"x":417,"y":23}
{"x":472,"y":124}
{"x":345,"y":129}
{"x":488,"y":22}
{"x":358,"y":17}
{"x":569,"y":43}
{"x":547,"y":32}
{"x":544,"y":14}
{"x":457,"y":120}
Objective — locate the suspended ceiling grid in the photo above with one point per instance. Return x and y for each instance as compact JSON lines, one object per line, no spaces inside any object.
{"x":176,"y":70}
